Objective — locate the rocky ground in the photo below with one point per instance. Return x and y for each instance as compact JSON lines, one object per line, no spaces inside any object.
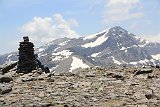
{"x":94,"y":87}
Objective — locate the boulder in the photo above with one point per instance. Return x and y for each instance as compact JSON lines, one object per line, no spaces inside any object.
{"x":144,"y":71}
{"x":5,"y":79}
{"x":5,"y":88}
{"x":28,"y":77}
{"x":46,"y":70}
{"x":117,"y":76}
{"x":8,"y":67}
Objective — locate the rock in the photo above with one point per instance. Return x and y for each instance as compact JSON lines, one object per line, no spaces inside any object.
{"x":144,"y":71}
{"x":142,"y":105}
{"x":151,"y":76}
{"x":8,"y":67}
{"x":5,"y":88}
{"x":28,"y":77}
{"x":41,"y":94}
{"x":66,"y":105}
{"x":108,"y":87}
{"x":26,"y":62}
{"x":117,"y":76}
{"x":40,"y":105}
{"x":50,"y":80}
{"x":46,"y":70}
{"x":2,"y":103}
{"x":141,"y":77}
{"x":0,"y":70}
{"x":10,"y":74}
{"x":113,"y":103}
{"x":149,"y":96}
{"x":43,"y":76}
{"x":157,"y":66}
{"x":5,"y":79}
{"x":90,"y":74}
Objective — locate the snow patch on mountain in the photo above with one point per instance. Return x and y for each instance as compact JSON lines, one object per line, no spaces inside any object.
{"x":61,"y":55}
{"x":143,"y":45}
{"x":126,"y":48}
{"x":123,"y":48}
{"x":64,"y":52}
{"x":57,"y":58}
{"x":9,"y":56}
{"x":41,"y":49}
{"x":143,"y":42}
{"x":95,"y":54}
{"x":133,"y":63}
{"x":94,"y":35}
{"x":10,"y":62}
{"x":53,"y":68}
{"x":41,"y":55}
{"x":63,"y":43}
{"x":97,"y":42}
{"x":77,"y":63}
{"x":143,"y":62}
{"x":157,"y":57}
{"x":116,"y":61}
{"x":90,"y":37}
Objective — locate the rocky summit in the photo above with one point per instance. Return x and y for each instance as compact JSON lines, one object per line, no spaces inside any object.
{"x":90,"y":87}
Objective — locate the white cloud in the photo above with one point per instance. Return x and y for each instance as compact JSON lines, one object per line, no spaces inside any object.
{"x":44,"y":30}
{"x":120,"y":10}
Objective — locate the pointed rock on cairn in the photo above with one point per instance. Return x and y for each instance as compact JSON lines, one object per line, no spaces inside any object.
{"x":26,"y":61}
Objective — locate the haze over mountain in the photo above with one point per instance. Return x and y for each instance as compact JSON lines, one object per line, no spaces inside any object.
{"x":111,"y":47}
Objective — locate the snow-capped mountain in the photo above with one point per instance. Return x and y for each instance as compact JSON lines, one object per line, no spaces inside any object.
{"x":111,"y":47}
{"x":153,"y":48}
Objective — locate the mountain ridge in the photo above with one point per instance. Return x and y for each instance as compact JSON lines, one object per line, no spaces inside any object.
{"x":110,"y":47}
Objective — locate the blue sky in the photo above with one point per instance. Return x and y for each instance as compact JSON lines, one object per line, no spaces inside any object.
{"x":45,"y":20}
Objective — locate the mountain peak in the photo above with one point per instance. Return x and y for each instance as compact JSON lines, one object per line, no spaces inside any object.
{"x":105,"y":31}
{"x":118,"y":28}
{"x":112,"y":46}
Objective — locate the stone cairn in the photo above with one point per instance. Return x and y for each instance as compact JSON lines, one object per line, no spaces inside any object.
{"x":26,"y":61}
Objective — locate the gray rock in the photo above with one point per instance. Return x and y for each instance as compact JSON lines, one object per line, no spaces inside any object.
{"x":39,"y":105}
{"x":144,"y":71}
{"x":28,"y":77}
{"x":5,"y":79}
{"x":43,"y":76}
{"x":8,"y":67}
{"x":117,"y":76}
{"x":0,"y":70}
{"x":5,"y":88}
{"x":100,"y":90}
{"x":2,"y":103}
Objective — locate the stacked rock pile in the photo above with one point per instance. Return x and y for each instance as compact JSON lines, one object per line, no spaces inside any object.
{"x":26,"y":61}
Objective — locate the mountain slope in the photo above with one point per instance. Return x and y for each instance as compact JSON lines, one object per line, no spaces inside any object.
{"x":111,"y":47}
